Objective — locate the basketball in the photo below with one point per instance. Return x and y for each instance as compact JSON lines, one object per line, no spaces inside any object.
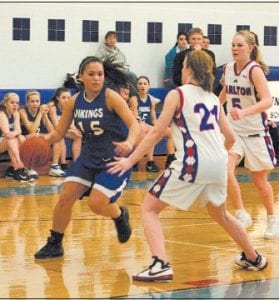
{"x":35,"y":152}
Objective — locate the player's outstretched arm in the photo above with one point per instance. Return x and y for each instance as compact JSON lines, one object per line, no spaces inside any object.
{"x":155,"y":134}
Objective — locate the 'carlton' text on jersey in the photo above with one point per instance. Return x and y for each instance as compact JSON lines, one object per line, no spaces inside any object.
{"x":238,"y":90}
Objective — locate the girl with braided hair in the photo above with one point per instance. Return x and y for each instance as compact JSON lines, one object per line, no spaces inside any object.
{"x":99,"y":113}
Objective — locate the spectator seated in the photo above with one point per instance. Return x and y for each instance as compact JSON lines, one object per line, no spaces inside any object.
{"x":160,"y":149}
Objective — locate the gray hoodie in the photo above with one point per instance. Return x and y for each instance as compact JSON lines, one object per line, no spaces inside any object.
{"x":115,"y":55}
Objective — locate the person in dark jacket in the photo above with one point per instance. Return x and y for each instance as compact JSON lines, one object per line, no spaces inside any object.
{"x":195,"y":39}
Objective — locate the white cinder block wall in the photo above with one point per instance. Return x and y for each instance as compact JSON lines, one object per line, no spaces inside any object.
{"x":41,"y":64}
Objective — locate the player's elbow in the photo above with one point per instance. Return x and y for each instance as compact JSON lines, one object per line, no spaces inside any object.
{"x":269,"y":103}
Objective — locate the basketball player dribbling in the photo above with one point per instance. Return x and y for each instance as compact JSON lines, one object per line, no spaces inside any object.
{"x":99,"y":113}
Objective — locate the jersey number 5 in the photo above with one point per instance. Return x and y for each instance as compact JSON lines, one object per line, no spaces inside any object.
{"x":94,"y":126}
{"x":236,"y":103}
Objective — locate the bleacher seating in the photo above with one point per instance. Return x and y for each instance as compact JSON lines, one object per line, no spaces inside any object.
{"x":47,"y":94}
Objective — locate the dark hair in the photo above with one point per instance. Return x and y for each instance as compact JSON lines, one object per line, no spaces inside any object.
{"x":201,"y":65}
{"x":72,"y":81}
{"x":144,"y":77}
{"x":111,"y":32}
{"x":86,"y":61}
{"x":57,"y":93}
{"x":206,"y":37}
{"x":114,"y":76}
{"x":177,"y":37}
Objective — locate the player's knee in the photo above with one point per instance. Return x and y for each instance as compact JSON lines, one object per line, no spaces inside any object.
{"x":66,"y":199}
{"x":65,"y":204}
{"x":150,"y":205}
{"x":96,"y":207}
{"x":262,"y":186}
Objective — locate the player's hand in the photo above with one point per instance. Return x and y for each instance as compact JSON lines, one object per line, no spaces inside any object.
{"x":44,"y":109}
{"x":122,"y":148}
{"x":9,"y":135}
{"x":237,"y":114}
{"x":75,"y":132}
{"x":120,"y":165}
{"x":197,"y":47}
{"x":45,"y":136}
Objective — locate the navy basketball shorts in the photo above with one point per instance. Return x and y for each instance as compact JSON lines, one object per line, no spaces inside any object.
{"x":109,"y":184}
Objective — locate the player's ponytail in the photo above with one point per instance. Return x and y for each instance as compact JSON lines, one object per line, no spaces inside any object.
{"x":114,"y":76}
{"x":256,"y":55}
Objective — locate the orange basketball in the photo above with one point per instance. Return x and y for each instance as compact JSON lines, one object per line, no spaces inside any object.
{"x":35,"y":152}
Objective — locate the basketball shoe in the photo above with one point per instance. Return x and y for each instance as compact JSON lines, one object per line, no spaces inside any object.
{"x":272,"y":228}
{"x":21,"y":176}
{"x":158,"y":271}
{"x":56,"y":171}
{"x":259,"y":264}
{"x":122,"y":225}
{"x":170,"y":159}
{"x":243,"y":217}
{"x":50,"y":250}
{"x":152,"y":167}
{"x":10,"y":171}
{"x":32,"y":173}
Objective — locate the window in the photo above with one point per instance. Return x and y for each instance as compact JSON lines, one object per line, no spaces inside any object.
{"x":184,"y":27}
{"x":154,"y":32}
{"x":270,"y":36}
{"x":214,"y":32}
{"x":90,"y":31}
{"x":242,"y":27}
{"x":21,"y":29}
{"x":123,"y":31}
{"x":56,"y":30}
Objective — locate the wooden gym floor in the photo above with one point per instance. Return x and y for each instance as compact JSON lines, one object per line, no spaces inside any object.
{"x":95,"y":265}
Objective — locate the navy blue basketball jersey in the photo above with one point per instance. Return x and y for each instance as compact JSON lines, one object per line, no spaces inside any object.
{"x":144,"y":109}
{"x":100,"y":127}
{"x":11,"y":120}
{"x":58,"y":110}
{"x":31,"y":119}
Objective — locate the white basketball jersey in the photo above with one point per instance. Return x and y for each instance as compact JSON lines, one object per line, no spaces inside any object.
{"x":201,"y":156}
{"x":241,"y":93}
